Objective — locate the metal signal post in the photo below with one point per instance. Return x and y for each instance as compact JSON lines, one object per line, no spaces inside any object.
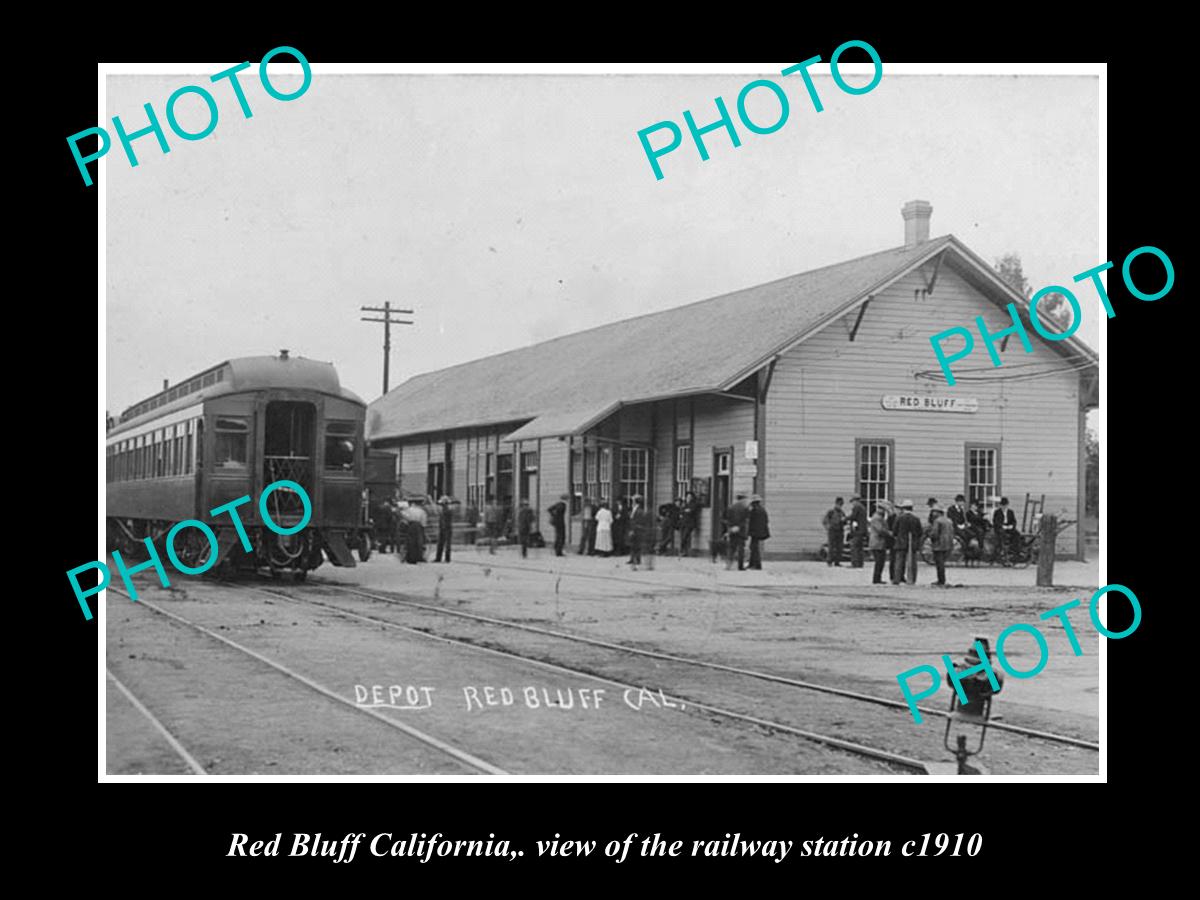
{"x":388,"y":322}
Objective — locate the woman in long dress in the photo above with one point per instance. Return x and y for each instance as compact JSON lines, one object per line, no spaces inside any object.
{"x":604,"y":520}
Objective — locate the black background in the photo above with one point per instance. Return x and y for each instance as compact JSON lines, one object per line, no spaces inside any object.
{"x":186,"y":828}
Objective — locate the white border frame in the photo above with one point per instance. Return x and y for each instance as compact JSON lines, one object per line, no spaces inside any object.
{"x":319,"y":69}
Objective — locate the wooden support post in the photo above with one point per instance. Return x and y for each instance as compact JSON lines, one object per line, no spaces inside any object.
{"x":1047,"y":539}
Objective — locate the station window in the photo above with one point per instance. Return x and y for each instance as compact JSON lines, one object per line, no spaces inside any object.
{"x":576,"y":482}
{"x":490,"y":482}
{"x":683,"y":469}
{"x":179,"y":464}
{"x":339,"y":446}
{"x":875,"y":461}
{"x":606,"y":474}
{"x":590,"y":491}
{"x":633,"y":472}
{"x":232,"y":437}
{"x":983,"y":472}
{"x":189,"y":437}
{"x":160,"y":453}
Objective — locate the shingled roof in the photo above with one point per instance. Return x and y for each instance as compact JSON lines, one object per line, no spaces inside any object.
{"x":697,"y":348}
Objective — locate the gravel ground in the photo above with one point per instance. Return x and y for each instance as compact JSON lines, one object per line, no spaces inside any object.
{"x":799,"y":620}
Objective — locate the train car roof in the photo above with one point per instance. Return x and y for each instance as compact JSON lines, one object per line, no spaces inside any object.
{"x":234,"y":376}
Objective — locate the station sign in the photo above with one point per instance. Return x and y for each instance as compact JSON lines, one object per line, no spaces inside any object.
{"x":930,"y":403}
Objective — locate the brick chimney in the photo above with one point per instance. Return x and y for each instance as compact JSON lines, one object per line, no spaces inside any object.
{"x":916,"y":222}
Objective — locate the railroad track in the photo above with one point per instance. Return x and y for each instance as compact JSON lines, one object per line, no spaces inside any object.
{"x":173,"y":741}
{"x":462,"y":756}
{"x":857,"y":696}
{"x":895,"y":760}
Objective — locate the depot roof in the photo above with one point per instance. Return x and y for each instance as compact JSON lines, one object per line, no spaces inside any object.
{"x":702,"y":347}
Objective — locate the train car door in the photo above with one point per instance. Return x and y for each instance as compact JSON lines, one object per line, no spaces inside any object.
{"x":289,"y":442}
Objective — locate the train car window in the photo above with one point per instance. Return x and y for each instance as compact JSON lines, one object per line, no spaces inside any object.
{"x":199,"y":444}
{"x":339,"y":446}
{"x":160,"y":454}
{"x":210,"y":378}
{"x":231,"y":443}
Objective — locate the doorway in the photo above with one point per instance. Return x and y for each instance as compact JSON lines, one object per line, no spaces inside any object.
{"x":722,"y":474}
{"x":288,"y":441}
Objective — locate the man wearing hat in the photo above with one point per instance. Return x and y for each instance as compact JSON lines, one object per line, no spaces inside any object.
{"x":525,"y":519}
{"x":757,"y":525}
{"x":834,"y":524}
{"x":735,"y":519}
{"x":931,"y":503}
{"x":909,"y":536}
{"x":558,"y":521}
{"x":880,"y":536}
{"x":1004,"y":521}
{"x":445,"y":527}
{"x":941,"y":538}
{"x":641,"y":532}
{"x":858,"y":531}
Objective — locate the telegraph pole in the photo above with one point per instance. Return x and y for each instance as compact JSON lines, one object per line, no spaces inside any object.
{"x":388,"y":322}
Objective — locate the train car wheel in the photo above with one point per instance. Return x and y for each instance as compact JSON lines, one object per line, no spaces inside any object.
{"x":301,"y":574}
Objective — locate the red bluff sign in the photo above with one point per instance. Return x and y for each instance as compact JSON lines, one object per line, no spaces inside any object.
{"x":929,"y":403}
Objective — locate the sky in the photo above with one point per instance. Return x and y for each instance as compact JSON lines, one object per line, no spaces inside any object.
{"x":509,"y":209}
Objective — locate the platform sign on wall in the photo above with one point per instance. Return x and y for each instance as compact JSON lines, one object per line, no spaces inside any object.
{"x":930,"y":403}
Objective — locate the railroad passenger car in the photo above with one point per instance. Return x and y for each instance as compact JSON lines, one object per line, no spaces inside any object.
{"x":230,"y":431}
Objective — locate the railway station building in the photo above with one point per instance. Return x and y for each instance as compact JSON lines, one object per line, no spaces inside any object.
{"x":818,"y":385}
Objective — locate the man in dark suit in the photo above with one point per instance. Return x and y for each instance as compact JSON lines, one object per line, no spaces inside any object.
{"x":641,"y":532}
{"x":758,"y":526}
{"x":525,"y":519}
{"x":689,"y":522}
{"x":957,"y":514}
{"x":558,"y":521}
{"x":1004,"y":521}
{"x":445,"y":528}
{"x":735,"y":518}
{"x":834,"y":523}
{"x":858,"y":531}
{"x":910,"y":534}
{"x":891,"y":517}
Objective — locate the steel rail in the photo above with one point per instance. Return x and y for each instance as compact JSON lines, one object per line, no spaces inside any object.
{"x":460,"y":755}
{"x":720,"y":667}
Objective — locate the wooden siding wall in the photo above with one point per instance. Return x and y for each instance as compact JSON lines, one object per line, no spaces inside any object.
{"x":827,"y":392}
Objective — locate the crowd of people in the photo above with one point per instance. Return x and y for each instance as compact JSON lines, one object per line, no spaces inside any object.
{"x":629,"y":528}
{"x":894,"y":535}
{"x":403,"y":527}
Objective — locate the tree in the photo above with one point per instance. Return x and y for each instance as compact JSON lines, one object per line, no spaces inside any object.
{"x":1053,"y":308}
{"x":1009,"y":268}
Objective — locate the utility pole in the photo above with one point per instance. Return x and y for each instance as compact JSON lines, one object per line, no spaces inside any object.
{"x":388,"y":322}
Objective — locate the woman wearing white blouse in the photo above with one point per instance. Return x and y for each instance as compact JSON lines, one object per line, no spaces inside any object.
{"x":604,"y":518}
